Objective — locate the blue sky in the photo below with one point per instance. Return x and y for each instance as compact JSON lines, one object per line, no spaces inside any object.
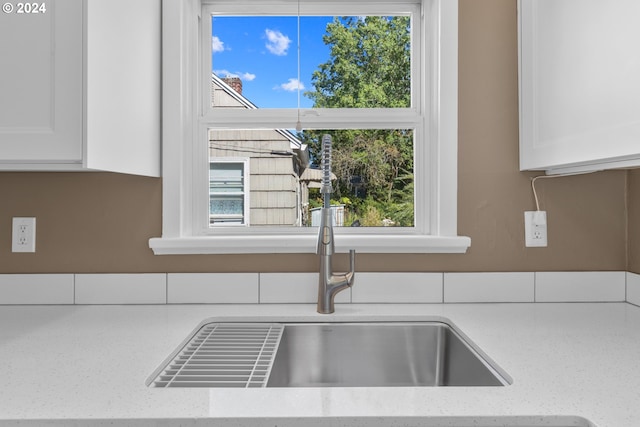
{"x":262,"y":51}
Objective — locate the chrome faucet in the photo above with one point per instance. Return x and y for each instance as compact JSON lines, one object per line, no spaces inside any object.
{"x":329,"y":284}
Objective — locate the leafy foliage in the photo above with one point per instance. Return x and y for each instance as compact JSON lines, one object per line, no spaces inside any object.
{"x":369,"y":67}
{"x":369,"y":64}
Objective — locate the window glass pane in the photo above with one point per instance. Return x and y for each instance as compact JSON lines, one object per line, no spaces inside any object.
{"x":226,"y":178}
{"x":373,"y":168}
{"x":345,"y":62}
{"x":226,"y":205}
{"x":372,"y":177}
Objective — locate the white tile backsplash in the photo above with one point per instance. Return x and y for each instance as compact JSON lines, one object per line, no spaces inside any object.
{"x":580,"y":286}
{"x":301,"y":288}
{"x":633,"y":288}
{"x":121,"y":288}
{"x":36,"y":288}
{"x":288,"y":287}
{"x":212,"y":288}
{"x":488,"y":287}
{"x":282,"y":288}
{"x":397,"y":288}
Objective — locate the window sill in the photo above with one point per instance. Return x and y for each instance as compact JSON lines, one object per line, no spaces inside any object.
{"x":307,"y":244}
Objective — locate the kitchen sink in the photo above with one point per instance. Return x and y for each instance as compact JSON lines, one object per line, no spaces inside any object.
{"x":354,"y":354}
{"x":379,"y":354}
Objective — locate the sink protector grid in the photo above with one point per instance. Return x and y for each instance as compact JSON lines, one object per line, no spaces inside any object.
{"x":223,"y":355}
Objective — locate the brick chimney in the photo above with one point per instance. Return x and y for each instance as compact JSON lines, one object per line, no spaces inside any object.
{"x":235,"y":83}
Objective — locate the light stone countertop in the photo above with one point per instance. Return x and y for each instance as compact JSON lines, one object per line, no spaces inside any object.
{"x":87,"y":365}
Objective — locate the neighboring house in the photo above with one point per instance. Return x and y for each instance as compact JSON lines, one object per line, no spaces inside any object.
{"x":254,"y":174}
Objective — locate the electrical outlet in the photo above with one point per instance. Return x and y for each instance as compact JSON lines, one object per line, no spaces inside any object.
{"x":535,"y":229}
{"x":24,"y":235}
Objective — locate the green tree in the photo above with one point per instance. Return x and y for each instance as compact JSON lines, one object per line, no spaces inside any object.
{"x":369,"y":67}
{"x":369,"y":64}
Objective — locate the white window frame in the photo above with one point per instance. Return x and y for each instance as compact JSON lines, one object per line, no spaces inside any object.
{"x":186,"y":122}
{"x":246,"y":185}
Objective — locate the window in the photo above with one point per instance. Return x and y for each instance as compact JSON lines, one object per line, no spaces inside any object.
{"x":228,"y":198}
{"x":202,"y":104}
{"x":367,"y":59}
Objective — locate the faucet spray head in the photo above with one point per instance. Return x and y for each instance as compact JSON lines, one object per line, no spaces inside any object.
{"x":326,"y":165}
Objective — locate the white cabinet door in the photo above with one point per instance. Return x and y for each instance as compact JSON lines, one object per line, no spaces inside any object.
{"x":579,"y":84}
{"x":80,"y":86}
{"x":41,"y":83}
{"x":123,"y":85}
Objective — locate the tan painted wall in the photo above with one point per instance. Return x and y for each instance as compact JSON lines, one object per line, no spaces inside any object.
{"x":100,"y":222}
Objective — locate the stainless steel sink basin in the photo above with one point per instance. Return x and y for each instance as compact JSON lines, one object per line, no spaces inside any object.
{"x":357,"y":354}
{"x":379,"y":354}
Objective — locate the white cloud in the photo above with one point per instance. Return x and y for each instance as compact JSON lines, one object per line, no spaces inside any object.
{"x":292,"y":85}
{"x":277,"y":43}
{"x":245,"y":76}
{"x":217,"y":45}
{"x":225,"y":73}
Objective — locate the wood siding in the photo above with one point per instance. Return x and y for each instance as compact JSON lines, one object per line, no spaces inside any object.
{"x":273,"y":183}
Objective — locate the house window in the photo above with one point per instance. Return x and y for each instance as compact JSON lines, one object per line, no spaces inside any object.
{"x":207,"y":110}
{"x":362,"y":66}
{"x":227,"y":192}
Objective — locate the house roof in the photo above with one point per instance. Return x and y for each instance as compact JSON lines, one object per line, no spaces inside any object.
{"x":314,"y":176}
{"x":242,"y":100}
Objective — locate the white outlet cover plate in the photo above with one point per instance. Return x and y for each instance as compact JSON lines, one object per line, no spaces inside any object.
{"x":535,"y":229}
{"x":23,"y":235}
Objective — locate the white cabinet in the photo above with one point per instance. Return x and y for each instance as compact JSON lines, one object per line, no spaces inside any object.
{"x":80,"y":87}
{"x":579,"y":84}
{"x":41,"y":84}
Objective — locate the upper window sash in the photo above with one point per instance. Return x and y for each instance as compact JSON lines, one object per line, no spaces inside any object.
{"x":316,"y":117}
